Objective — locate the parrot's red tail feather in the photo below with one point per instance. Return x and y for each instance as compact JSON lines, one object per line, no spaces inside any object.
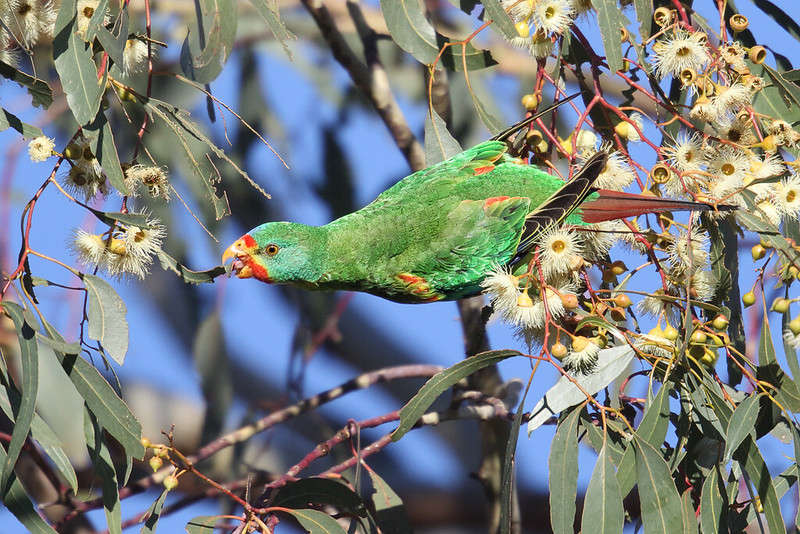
{"x":612,"y":205}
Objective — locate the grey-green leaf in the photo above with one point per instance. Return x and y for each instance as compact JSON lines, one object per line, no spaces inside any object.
{"x":76,"y":69}
{"x":316,"y":522}
{"x":602,"y":507}
{"x":320,"y":491}
{"x":105,"y":150}
{"x":107,"y":321}
{"x":168,"y":263}
{"x":439,"y":144}
{"x":563,"y":466}
{"x":202,"y":524}
{"x":18,"y":503}
{"x":29,"y":358}
{"x":750,"y":457}
{"x":9,"y":120}
{"x":611,"y":21}
{"x":154,"y":514}
{"x":712,"y":519}
{"x":208,"y":45}
{"x":741,"y":424}
{"x":413,"y":33}
{"x":611,"y":363}
{"x":690,"y":525}
{"x":500,"y":19}
{"x":268,"y":9}
{"x":661,"y":505}
{"x":104,"y":468}
{"x":390,"y":513}
{"x":442,"y":381}
{"x":40,"y":92}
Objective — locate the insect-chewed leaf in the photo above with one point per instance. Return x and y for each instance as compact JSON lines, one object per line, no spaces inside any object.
{"x":439,"y":144}
{"x":268,"y":10}
{"x":9,"y":120}
{"x":107,"y":322}
{"x":76,"y":69}
{"x":316,"y":522}
{"x":154,"y":514}
{"x":204,"y":54}
{"x":442,"y":381}
{"x":661,"y":505}
{"x":390,"y":513}
{"x":413,"y":33}
{"x":602,"y":507}
{"x":187,"y":275}
{"x":38,"y":89}
{"x":25,"y":408}
{"x":611,"y":21}
{"x":563,"y":466}
{"x":610,"y":364}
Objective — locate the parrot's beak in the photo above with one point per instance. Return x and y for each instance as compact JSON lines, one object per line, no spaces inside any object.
{"x":240,"y":252}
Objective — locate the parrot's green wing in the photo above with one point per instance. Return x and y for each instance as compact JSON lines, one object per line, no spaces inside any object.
{"x":479,"y":235}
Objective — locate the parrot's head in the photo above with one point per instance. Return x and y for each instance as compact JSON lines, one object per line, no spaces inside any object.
{"x":278,"y":252}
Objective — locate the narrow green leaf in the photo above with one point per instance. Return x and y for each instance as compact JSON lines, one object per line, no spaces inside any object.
{"x":210,"y":42}
{"x":796,"y":440}
{"x":770,"y":371}
{"x":644,"y":12}
{"x":43,"y":434}
{"x":96,"y":20}
{"x":320,"y":491}
{"x":40,"y":92}
{"x":105,"y":150}
{"x":61,"y":346}
{"x":626,"y":472}
{"x":413,"y":33}
{"x":788,"y":349}
{"x":611,"y":21}
{"x":712,"y":504}
{"x":439,"y":144}
{"x":564,"y":473}
{"x":76,"y":68}
{"x":661,"y":505}
{"x":655,"y":421}
{"x":112,"y":217}
{"x":442,"y":381}
{"x":202,"y":524}
{"x":114,"y":41}
{"x":602,"y":507}
{"x":18,"y":503}
{"x":29,"y":358}
{"x":154,"y":514}
{"x":316,"y":522}
{"x":750,"y":458}
{"x":507,"y":470}
{"x":789,"y":24}
{"x":741,"y":424}
{"x":500,"y":19}
{"x":9,"y":120}
{"x":111,"y":411}
{"x":107,"y":322}
{"x":390,"y":513}
{"x":690,"y":525}
{"x":103,"y":468}
{"x":770,"y":101}
{"x":611,"y":363}
{"x":168,"y":263}
{"x":268,"y":9}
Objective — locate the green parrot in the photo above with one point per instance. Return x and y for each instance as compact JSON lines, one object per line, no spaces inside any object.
{"x":436,"y":234}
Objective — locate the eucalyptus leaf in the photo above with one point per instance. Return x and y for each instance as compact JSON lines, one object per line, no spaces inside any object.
{"x":268,"y":9}
{"x":40,"y":92}
{"x":611,"y":21}
{"x":316,"y":522}
{"x":712,"y":504}
{"x":25,"y":409}
{"x":9,"y":120}
{"x":741,"y":424}
{"x":611,"y":363}
{"x":439,"y":144}
{"x":19,"y":504}
{"x":202,"y":524}
{"x":76,"y":68}
{"x":442,"y":381}
{"x":318,"y":491}
{"x":104,"y":148}
{"x":661,"y":505}
{"x":104,"y":468}
{"x":389,"y":511}
{"x":154,"y":514}
{"x":107,"y":321}
{"x":602,"y":507}
{"x":168,"y":263}
{"x":208,"y":45}
{"x":750,"y":458}
{"x":563,"y":468}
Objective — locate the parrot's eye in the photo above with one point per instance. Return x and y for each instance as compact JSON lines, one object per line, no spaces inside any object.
{"x":271,"y":249}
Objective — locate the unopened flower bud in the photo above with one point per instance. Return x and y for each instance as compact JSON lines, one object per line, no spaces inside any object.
{"x":748,"y":299}
{"x":170,"y":482}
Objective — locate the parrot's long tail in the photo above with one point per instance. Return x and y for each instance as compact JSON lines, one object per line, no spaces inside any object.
{"x":612,"y":205}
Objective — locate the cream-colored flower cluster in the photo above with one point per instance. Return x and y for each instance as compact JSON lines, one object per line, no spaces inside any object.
{"x":538,"y":22}
{"x":126,"y":250}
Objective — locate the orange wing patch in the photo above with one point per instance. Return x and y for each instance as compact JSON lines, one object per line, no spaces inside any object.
{"x":489,"y":201}
{"x":419,"y":288}
{"x":483,"y":170}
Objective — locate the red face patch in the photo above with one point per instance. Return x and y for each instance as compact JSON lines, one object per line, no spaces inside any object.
{"x":249,"y":242}
{"x":258,"y":270}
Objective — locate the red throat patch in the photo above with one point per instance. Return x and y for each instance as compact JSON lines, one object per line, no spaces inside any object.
{"x":258,"y":270}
